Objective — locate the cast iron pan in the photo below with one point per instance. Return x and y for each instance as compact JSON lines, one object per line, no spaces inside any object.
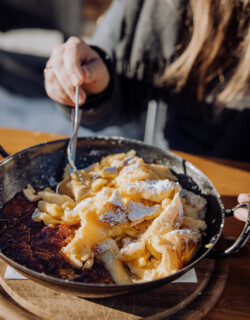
{"x":43,"y":165}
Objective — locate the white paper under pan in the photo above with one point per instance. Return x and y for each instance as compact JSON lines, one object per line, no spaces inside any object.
{"x":188,"y":277}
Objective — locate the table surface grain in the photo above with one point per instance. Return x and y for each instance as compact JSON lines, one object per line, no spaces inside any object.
{"x":229,"y":177}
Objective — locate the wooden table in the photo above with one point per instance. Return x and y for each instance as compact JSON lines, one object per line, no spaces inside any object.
{"x":229,"y":177}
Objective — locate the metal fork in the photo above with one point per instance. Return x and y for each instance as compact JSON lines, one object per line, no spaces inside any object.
{"x":72,"y":145}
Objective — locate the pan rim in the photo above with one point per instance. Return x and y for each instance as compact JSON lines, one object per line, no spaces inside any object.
{"x":81,"y":285}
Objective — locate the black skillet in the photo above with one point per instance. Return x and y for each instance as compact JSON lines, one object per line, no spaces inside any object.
{"x":43,"y":165}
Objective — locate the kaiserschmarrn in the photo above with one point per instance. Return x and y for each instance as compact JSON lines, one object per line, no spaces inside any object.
{"x":132,"y":216}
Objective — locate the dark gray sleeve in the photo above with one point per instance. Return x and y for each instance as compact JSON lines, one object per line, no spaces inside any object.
{"x":107,"y":32}
{"x":103,"y":110}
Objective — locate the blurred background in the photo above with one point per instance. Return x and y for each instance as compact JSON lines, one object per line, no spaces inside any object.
{"x":29,"y":29}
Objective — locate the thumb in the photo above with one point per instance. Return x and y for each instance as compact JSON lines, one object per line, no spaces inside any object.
{"x":96,"y":76}
{"x":92,"y":70}
{"x":89,"y":73}
{"x":241,"y":214}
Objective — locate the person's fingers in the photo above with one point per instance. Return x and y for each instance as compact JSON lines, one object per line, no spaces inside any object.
{"x":92,"y":70}
{"x":244,"y":197}
{"x":75,"y":52}
{"x":59,"y":71}
{"x":241,"y":214}
{"x":66,"y":84}
{"x":74,"y":63}
{"x":54,"y":89}
{"x":56,"y":62}
{"x":48,"y":64}
{"x":96,"y":76}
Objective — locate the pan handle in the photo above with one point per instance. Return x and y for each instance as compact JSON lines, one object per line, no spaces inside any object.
{"x":3,"y":152}
{"x":240,"y":241}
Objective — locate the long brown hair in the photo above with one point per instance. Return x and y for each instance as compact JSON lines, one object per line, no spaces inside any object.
{"x":219,"y":42}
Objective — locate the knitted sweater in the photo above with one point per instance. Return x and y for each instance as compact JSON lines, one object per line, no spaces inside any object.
{"x":141,"y":36}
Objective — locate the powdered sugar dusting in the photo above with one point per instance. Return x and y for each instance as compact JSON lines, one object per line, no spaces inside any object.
{"x":194,"y":200}
{"x":184,"y":231}
{"x":131,"y":168}
{"x":138,"y":211}
{"x":187,"y":234}
{"x":117,"y":213}
{"x":110,"y":169}
{"x":103,"y":195}
{"x":117,"y":164}
{"x":116,"y":200}
{"x":129,"y":160}
{"x":115,"y":217}
{"x":153,"y":186}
